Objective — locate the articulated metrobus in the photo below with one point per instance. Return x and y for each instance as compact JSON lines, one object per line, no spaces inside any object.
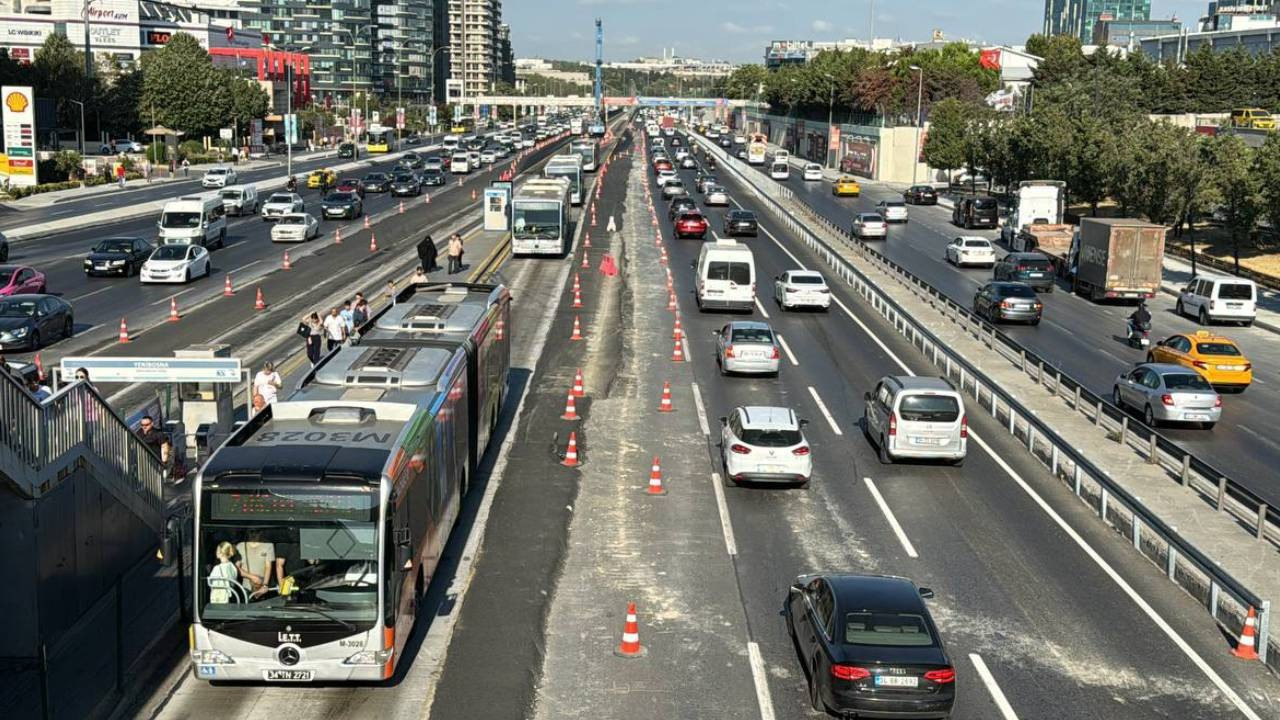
{"x":569,"y":167}
{"x":320,"y":522}
{"x":380,"y":139}
{"x":586,"y":149}
{"x":540,"y":217}
{"x":757,"y":147}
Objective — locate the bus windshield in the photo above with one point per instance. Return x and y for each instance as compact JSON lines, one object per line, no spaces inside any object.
{"x":536,"y":220}
{"x":571,"y":173}
{"x":289,"y":554}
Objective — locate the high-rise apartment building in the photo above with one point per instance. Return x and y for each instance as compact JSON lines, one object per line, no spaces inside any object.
{"x":1077,"y":17}
{"x":473,"y":46}
{"x":338,"y":35}
{"x":506,"y":57}
{"x":403,"y":49}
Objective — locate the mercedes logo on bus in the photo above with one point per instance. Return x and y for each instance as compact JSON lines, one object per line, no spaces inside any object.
{"x":288,"y":655}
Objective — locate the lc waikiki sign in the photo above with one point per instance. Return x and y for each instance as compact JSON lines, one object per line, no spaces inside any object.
{"x":18,"y":105}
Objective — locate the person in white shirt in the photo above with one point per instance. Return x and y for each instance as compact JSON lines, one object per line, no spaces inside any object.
{"x":335,"y":329}
{"x":257,"y":561}
{"x":224,"y":575}
{"x":267,"y":382}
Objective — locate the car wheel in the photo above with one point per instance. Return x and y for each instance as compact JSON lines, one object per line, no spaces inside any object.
{"x":815,"y":695}
{"x":1116,"y":399}
{"x":1035,"y":322}
{"x":882,"y":451}
{"x":1149,"y":417}
{"x":1177,"y":308}
{"x":1204,"y":317}
{"x":1049,"y":290}
{"x":1247,"y":323}
{"x":68,"y":328}
{"x":35,"y":339}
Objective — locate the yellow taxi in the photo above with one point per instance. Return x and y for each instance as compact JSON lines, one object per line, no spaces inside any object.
{"x":313,"y":180}
{"x":846,"y":186}
{"x":1215,"y":357}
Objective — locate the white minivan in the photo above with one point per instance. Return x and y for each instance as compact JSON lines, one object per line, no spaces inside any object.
{"x":450,"y":143}
{"x":194,"y":220}
{"x":916,"y":418}
{"x":726,"y":276}
{"x":780,"y":170}
{"x":1210,"y":299}
{"x":460,"y":163}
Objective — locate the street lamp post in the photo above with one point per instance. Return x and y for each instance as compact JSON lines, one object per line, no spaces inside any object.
{"x":77,"y":102}
{"x":831,"y":99}
{"x":351,"y":106}
{"x":915,"y":168}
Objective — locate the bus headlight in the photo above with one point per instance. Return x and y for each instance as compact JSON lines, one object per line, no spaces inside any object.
{"x":370,"y":657}
{"x":211,"y":657}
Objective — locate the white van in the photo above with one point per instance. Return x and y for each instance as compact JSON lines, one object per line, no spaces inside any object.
{"x":240,"y":199}
{"x":450,"y":143}
{"x":726,"y":279}
{"x":781,"y":156}
{"x":194,"y":220}
{"x":1231,"y":299}
{"x":916,"y":418}
{"x":780,"y":170}
{"x":460,"y":163}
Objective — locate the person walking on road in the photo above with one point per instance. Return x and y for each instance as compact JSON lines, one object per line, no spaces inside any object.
{"x":428,"y":255}
{"x":348,"y":319}
{"x":312,"y":332}
{"x":335,"y":329}
{"x":186,"y":167}
{"x":120,"y":175}
{"x":267,"y":382}
{"x":455,"y":254}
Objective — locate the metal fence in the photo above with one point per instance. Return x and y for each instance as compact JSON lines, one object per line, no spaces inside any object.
{"x":1226,"y":599}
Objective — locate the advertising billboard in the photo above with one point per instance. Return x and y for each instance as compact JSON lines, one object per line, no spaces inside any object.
{"x":19,"y":104}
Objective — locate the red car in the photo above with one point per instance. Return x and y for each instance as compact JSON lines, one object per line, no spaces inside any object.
{"x":691,"y":225}
{"x":19,"y":280}
{"x":662,"y":164}
{"x":350,"y":185}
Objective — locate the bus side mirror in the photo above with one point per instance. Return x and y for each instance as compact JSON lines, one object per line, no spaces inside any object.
{"x":171,"y":543}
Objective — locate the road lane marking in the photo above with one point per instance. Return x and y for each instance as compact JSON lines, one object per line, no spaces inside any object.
{"x":255,"y":262}
{"x":893,"y":520}
{"x":825,"y":412}
{"x":91,"y":294}
{"x":997,"y":695}
{"x":684,"y":344}
{"x":760,"y":307}
{"x":726,"y":526}
{"x":166,"y":299}
{"x":761,"y":679}
{"x":786,"y":348}
{"x":702,"y":411}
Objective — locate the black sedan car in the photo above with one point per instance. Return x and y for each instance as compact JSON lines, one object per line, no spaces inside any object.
{"x":920,"y":195}
{"x":740,"y":222}
{"x":405,"y":184}
{"x":28,"y":322}
{"x":681,"y":205}
{"x":117,"y":256}
{"x":870,"y":647}
{"x":1008,"y":302}
{"x":342,"y":205}
{"x":433,"y":176}
{"x":376,"y":182}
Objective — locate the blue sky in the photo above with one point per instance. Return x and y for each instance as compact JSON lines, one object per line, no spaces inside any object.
{"x":738,"y":30}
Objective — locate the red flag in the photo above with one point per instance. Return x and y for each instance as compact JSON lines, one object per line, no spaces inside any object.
{"x":39,"y":368}
{"x":989,"y":59}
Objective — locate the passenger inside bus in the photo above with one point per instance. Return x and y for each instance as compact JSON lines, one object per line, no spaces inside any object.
{"x":224,"y":579}
{"x":257,"y":559}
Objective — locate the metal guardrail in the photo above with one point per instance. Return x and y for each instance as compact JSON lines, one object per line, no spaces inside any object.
{"x":1225,"y":597}
{"x":39,"y":440}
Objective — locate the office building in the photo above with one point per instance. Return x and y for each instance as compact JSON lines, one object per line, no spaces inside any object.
{"x":506,"y":58}
{"x":1128,"y":33}
{"x":338,"y":36}
{"x":1078,"y":17}
{"x":473,"y":47}
{"x":1239,"y":15}
{"x":402,"y":60}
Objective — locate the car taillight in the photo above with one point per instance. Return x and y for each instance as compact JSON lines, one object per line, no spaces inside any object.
{"x":791,"y":289}
{"x":945,"y":675}
{"x":1200,"y":364}
{"x":728,"y":351}
{"x":775,"y":354}
{"x":893,"y":424}
{"x":964,"y":426}
{"x":802,"y":450}
{"x":1217,"y":401}
{"x":740,"y":449}
{"x":1023,"y":267}
{"x":1167,"y":399}
{"x":850,"y":672}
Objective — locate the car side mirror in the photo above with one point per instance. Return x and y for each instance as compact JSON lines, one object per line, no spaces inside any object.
{"x":926,"y":593}
{"x":724,"y":419}
{"x":796,"y":588}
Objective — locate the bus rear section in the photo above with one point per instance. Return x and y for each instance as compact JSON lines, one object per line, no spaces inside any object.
{"x":540,"y":218}
{"x":757,"y":148}
{"x":320,"y":522}
{"x":570,"y":168}
{"x":380,"y":140}
{"x":585,"y":148}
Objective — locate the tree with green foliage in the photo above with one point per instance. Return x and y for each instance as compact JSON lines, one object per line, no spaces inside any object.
{"x":58,"y":74}
{"x":1267,"y":161}
{"x":944,"y":147}
{"x":744,"y":83}
{"x":248,"y":101}
{"x":1060,"y":56}
{"x":181,"y":90}
{"x":1239,"y":189}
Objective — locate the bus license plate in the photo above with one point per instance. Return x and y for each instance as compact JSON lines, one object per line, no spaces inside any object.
{"x":897,"y":681}
{"x":286,"y":675}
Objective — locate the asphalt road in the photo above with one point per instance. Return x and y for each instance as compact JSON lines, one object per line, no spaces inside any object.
{"x":1086,"y":340}
{"x":1055,"y":630}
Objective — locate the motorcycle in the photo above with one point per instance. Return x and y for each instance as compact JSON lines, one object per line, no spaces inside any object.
{"x":292,"y":184}
{"x":711,"y":164}
{"x":1139,"y":335}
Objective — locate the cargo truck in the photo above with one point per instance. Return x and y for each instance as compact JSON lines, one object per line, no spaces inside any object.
{"x":1037,"y":209}
{"x":1117,"y":258}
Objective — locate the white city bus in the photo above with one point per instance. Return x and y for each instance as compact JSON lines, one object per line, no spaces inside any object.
{"x":586,"y":149}
{"x":757,"y":147}
{"x":338,"y":501}
{"x":540,"y":217}
{"x":570,"y":168}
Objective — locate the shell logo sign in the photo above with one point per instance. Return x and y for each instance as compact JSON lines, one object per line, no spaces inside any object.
{"x":16,"y":101}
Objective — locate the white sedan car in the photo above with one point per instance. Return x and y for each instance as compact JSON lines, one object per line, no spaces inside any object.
{"x":488,"y":157}
{"x":866,"y":225}
{"x":716,"y":195}
{"x":812,"y":171}
{"x":971,"y":250}
{"x":295,"y":227}
{"x":892,"y":210}
{"x":217,"y":177}
{"x":801,"y":288}
{"x":280,"y":204}
{"x":766,"y":445}
{"x":666,"y":176}
{"x":175,"y":264}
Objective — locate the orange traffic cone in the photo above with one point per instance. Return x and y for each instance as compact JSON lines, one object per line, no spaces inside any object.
{"x":577,"y":284}
{"x":570,"y":409}
{"x":577,"y":298}
{"x":373,"y":243}
{"x":258,"y":303}
{"x":630,"y":645}
{"x":578,"y":390}
{"x":655,"y":478}
{"x":426,"y":198}
{"x":500,"y":333}
{"x":678,"y":331}
{"x":286,"y":265}
{"x":226,"y":287}
{"x":571,"y":452}
{"x":577,"y":329}
{"x":586,"y":240}
{"x":337,"y":236}
{"x":671,"y":301}
{"x":586,"y":262}
{"x":401,"y":207}
{"x":366,"y":222}
{"x":1246,"y":646}
{"x":593,"y":217}
{"x":665,"y":404}
{"x":677,"y":355}
{"x":124,"y":331}
{"x":473,"y":194}
{"x":662,"y":257}
{"x":173,"y":310}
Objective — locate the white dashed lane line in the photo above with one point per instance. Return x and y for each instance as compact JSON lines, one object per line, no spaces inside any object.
{"x":786,"y":348}
{"x":893,"y":521}
{"x":835,"y":427}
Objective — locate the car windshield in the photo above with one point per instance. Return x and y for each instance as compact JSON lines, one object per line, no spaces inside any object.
{"x":742,"y":215}
{"x":1186,"y":381}
{"x":280,"y":198}
{"x":884,"y":628}
{"x":17,"y":308}
{"x":404,"y":178}
{"x":230,"y":194}
{"x":114,"y":246}
{"x":293,"y":220}
{"x":807,"y":280}
{"x":217,"y":171}
{"x":170,"y":252}
{"x":752,"y":335}
{"x":180,"y":220}
{"x":871,"y":218}
{"x":1217,"y":348}
{"x":771,"y":437}
{"x":1235,"y":291}
{"x":339,"y":197}
{"x":1017,"y":291}
{"x":929,"y":408}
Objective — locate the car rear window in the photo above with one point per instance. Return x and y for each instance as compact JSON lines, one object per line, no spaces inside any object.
{"x":1185,"y":381}
{"x":977,"y":243}
{"x":895,"y":204}
{"x":1217,"y":348}
{"x":752,"y":335}
{"x":1033,"y":263}
{"x":1235,"y":291}
{"x":690,"y":217}
{"x":875,"y":628}
{"x":872,"y":218}
{"x":929,"y":408}
{"x":738,"y":272}
{"x":1019,"y":291}
{"x":806,"y":280}
{"x":770,"y":438}
{"x":985,"y":203}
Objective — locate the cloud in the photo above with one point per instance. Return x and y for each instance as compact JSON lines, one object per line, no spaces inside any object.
{"x":822,"y":26}
{"x":734,"y":28}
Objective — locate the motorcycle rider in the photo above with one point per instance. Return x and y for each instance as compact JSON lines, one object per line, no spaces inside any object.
{"x":1139,"y":319}
{"x":291,"y":184}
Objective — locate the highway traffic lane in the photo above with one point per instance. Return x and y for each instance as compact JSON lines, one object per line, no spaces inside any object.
{"x":995,"y":550}
{"x":1240,"y":445}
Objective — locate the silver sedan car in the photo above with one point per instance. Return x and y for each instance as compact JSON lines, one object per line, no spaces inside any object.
{"x":716,"y":195}
{"x":1164,"y":392}
{"x":747,"y":347}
